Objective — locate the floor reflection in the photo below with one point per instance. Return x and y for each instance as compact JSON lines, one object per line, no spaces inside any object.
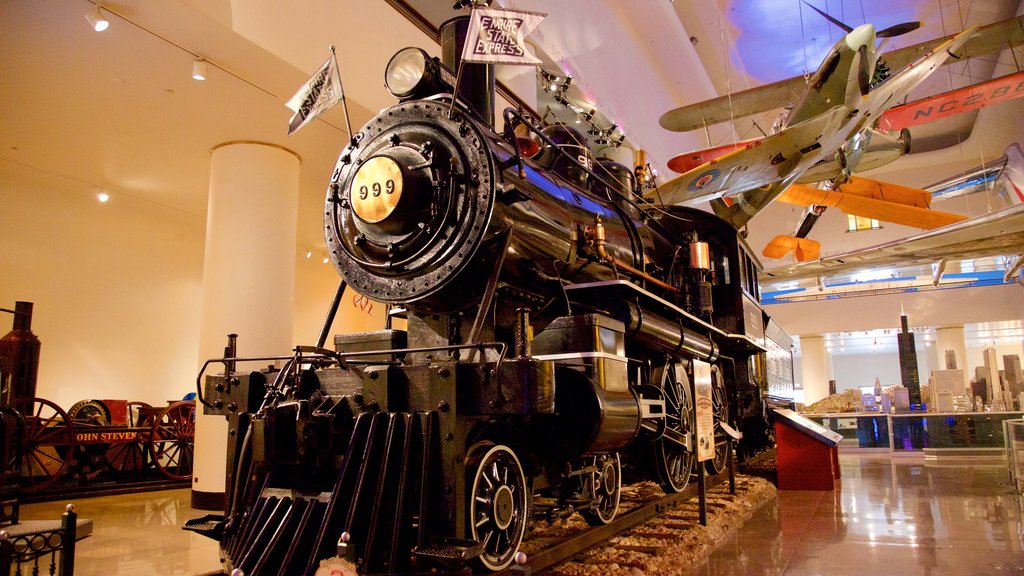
{"x":899,"y":516}
{"x":136,"y":534}
{"x":889,"y":517}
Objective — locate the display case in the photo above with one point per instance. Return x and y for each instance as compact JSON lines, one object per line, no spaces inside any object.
{"x":918,"y":431}
{"x":1013,"y":432}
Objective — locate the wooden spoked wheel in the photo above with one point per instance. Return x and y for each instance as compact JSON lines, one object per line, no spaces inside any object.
{"x":48,"y":445}
{"x":172,"y":439}
{"x":129,"y":456}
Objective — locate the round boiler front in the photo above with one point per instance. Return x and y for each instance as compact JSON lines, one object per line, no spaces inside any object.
{"x":409,"y":202}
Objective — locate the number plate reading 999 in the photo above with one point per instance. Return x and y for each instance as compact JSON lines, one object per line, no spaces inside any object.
{"x":376,"y":189}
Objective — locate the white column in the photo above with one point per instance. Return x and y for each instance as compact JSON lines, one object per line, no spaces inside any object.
{"x":815,"y":368}
{"x":952,"y":338}
{"x":248,"y":276}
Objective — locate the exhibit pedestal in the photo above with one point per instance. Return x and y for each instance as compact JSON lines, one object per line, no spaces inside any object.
{"x":808,"y":458}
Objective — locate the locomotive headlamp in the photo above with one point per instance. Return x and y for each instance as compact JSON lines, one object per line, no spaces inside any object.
{"x":412,"y":73}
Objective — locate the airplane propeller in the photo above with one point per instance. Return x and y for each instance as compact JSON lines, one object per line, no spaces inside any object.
{"x":898,"y":29}
{"x":890,"y":32}
{"x":864,"y":71}
{"x":848,"y":29}
{"x":865,"y":67}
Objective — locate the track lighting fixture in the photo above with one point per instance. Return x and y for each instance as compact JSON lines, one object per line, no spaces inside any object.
{"x":199,"y":69}
{"x":97,"y":20}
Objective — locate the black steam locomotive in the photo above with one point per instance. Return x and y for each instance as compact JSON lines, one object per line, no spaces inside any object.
{"x":553,"y":326}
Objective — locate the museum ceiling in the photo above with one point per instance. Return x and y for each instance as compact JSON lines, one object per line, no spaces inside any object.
{"x":117,"y":110}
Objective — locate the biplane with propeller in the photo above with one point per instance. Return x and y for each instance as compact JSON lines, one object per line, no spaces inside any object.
{"x":829,"y":133}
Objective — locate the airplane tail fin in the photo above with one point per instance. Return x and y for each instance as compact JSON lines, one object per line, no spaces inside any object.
{"x":804,"y":248}
{"x":1013,"y":175}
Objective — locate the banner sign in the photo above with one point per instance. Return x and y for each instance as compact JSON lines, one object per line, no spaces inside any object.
{"x":316,"y":96}
{"x":498,"y":36}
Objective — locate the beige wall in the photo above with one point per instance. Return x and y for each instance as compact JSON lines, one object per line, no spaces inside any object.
{"x":116,"y":288}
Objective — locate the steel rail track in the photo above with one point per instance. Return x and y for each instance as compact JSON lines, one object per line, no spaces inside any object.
{"x":572,"y":545}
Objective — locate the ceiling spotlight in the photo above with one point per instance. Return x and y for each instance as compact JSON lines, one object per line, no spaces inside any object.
{"x":103,"y":196}
{"x":97,"y":20}
{"x":199,"y":69}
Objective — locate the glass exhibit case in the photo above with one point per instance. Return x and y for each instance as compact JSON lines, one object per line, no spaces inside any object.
{"x":915,"y":431}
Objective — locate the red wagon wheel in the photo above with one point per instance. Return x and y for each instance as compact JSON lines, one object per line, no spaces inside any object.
{"x":171,"y":440}
{"x":129,"y":456}
{"x":49,"y":443}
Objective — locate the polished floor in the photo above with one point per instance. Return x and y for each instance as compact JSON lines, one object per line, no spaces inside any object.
{"x":137,"y":534}
{"x":904,"y":517}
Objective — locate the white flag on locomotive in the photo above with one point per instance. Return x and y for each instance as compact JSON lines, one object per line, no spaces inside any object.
{"x":316,"y":96}
{"x":499,"y":36}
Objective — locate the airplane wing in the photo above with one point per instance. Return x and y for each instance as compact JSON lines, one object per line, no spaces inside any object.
{"x":738,"y":105}
{"x":998,"y":233}
{"x":683,"y":163}
{"x":873,"y":199}
{"x":991,"y":38}
{"x":954,"y":102}
{"x":760,"y":163}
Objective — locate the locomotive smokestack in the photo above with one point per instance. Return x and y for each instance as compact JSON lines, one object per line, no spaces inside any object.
{"x":476,"y":87}
{"x":19,"y":349}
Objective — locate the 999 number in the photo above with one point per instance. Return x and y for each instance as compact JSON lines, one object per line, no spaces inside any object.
{"x":375,"y":189}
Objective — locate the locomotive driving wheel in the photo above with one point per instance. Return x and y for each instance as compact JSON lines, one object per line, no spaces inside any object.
{"x":498,"y":501}
{"x":171,"y":440}
{"x":607,"y":489}
{"x":48,"y":445}
{"x":673,"y":456}
{"x":720,"y":407}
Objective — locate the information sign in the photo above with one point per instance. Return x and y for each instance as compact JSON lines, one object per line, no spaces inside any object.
{"x":704,"y":411}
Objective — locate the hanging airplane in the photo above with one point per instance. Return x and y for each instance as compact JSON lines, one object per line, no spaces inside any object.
{"x":860,"y":197}
{"x":826,"y":135}
{"x":991,"y":38}
{"x":894,"y":203}
{"x":999,"y":233}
